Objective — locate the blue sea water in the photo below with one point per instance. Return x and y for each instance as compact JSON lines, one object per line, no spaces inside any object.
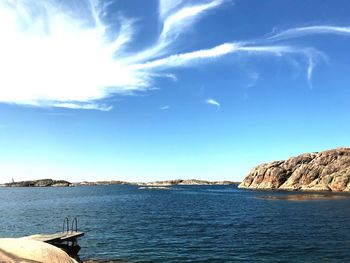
{"x":185,"y":223}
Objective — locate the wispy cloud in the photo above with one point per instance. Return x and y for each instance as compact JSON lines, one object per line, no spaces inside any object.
{"x":176,"y":18}
{"x":186,"y":58}
{"x":254,"y":77}
{"x":165,"y":107}
{"x":310,"y":30}
{"x":310,"y":70}
{"x":207,"y":55}
{"x":84,"y":106}
{"x":175,"y":23}
{"x":171,"y":76}
{"x":213,"y":102}
{"x":314,"y":56}
{"x":166,"y":6}
{"x":52,"y":56}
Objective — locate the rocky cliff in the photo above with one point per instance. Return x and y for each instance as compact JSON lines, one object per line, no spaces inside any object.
{"x":319,"y":171}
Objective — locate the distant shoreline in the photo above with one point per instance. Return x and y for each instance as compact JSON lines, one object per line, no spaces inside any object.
{"x":63,"y":183}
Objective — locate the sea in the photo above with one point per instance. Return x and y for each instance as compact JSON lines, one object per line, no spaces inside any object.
{"x":124,"y":223}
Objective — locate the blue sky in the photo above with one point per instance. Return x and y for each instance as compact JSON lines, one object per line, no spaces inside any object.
{"x":156,"y":90}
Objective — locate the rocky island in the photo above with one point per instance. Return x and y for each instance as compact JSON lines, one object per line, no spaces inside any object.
{"x":39,"y":183}
{"x":96,"y":183}
{"x":186,"y":182}
{"x":318,"y":171}
{"x":158,"y":183}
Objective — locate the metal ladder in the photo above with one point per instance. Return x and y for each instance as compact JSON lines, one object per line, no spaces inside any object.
{"x":74,"y":225}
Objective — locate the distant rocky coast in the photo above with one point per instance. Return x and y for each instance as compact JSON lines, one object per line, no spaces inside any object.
{"x":318,"y":171}
{"x":159,"y":183}
{"x":186,"y":182}
{"x":39,"y":183}
{"x":62,"y":183}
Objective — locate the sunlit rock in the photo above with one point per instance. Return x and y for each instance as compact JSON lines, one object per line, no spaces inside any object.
{"x":322,"y":171}
{"x":27,"y":250}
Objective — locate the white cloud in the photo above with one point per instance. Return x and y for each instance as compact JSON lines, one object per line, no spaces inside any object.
{"x":165,"y":6}
{"x":125,"y":35}
{"x":310,"y":70}
{"x":59,"y":62}
{"x":175,"y":21}
{"x":254,"y":77}
{"x":53,"y":57}
{"x":213,"y":102}
{"x":84,"y":106}
{"x":310,"y":30}
{"x":171,"y":76}
{"x":165,"y":107}
{"x":188,"y":59}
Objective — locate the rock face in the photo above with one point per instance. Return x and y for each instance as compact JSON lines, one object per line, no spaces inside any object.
{"x":39,"y":183}
{"x":24,"y":250}
{"x":320,"y":171}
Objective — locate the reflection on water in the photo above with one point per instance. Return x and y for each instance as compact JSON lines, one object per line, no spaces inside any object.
{"x":304,"y":197}
{"x":104,"y":261}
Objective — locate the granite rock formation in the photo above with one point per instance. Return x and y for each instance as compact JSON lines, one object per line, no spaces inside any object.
{"x":23,"y":250}
{"x":319,"y":171}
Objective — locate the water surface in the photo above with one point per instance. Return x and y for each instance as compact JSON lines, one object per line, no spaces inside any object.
{"x":186,"y":223}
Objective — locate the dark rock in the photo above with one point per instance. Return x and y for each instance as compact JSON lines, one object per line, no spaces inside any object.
{"x":39,"y":183}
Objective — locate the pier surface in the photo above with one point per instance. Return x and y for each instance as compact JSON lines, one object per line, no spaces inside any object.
{"x":58,"y":237}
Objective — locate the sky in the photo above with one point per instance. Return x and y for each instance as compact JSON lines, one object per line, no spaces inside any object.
{"x":156,"y":90}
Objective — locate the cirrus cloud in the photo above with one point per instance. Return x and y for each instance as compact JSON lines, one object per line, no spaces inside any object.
{"x":53,"y":56}
{"x":213,"y":102}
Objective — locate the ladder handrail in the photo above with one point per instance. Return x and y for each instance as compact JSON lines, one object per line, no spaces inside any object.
{"x":75,"y":220}
{"x":65,"y":223}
